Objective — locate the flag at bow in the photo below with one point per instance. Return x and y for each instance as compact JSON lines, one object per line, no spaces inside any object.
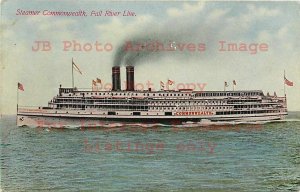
{"x":76,"y":67}
{"x":20,"y":86}
{"x":234,"y":82}
{"x":170,"y":82}
{"x":287,"y":82}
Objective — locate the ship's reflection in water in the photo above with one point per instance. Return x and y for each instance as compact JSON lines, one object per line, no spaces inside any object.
{"x":157,"y":127}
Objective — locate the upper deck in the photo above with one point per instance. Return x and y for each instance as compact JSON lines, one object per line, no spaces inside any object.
{"x":162,"y":94}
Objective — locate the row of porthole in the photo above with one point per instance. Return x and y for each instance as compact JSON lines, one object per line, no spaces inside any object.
{"x":159,"y":102}
{"x":228,"y":94}
{"x":104,"y":113}
{"x":184,"y":108}
{"x":185,"y":95}
{"x":184,"y":102}
{"x":136,"y":94}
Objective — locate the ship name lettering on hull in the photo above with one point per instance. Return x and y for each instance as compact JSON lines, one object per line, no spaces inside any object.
{"x":190,"y":113}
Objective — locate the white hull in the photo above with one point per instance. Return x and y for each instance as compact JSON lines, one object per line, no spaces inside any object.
{"x":88,"y":120}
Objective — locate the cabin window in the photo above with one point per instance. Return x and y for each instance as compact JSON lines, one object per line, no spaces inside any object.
{"x":168,"y":113}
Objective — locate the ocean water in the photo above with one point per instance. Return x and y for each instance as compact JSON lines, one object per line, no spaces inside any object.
{"x":261,"y":157}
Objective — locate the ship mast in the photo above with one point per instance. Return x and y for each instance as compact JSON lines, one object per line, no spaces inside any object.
{"x":284,"y":83}
{"x":72,"y":73}
{"x":17,"y":98}
{"x":17,"y":103}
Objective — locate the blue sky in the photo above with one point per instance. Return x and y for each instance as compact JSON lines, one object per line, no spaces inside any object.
{"x":274,"y":23}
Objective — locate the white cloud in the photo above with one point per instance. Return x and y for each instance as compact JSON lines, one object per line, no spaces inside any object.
{"x":262,"y":11}
{"x":58,"y":24}
{"x":217,"y":14}
{"x":7,"y":31}
{"x":118,"y":29}
{"x":238,"y":26}
{"x":50,"y":25}
{"x":264,"y":36}
{"x":187,"y":9}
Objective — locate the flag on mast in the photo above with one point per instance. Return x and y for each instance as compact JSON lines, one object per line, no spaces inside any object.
{"x":233,"y":84}
{"x":20,"y":86}
{"x":94,"y":82}
{"x":170,"y":82}
{"x":76,"y":67}
{"x":94,"y":85}
{"x":287,"y":82}
{"x":98,"y":80}
{"x":226,"y":84}
{"x":162,"y":85}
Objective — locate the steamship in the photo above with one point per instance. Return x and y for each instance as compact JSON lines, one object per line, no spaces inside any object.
{"x":86,"y":108}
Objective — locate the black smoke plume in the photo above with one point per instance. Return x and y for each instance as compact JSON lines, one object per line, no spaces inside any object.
{"x":170,"y":34}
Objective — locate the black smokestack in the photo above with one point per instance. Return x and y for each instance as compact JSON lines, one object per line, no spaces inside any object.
{"x":116,"y":80}
{"x":130,"y":78}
